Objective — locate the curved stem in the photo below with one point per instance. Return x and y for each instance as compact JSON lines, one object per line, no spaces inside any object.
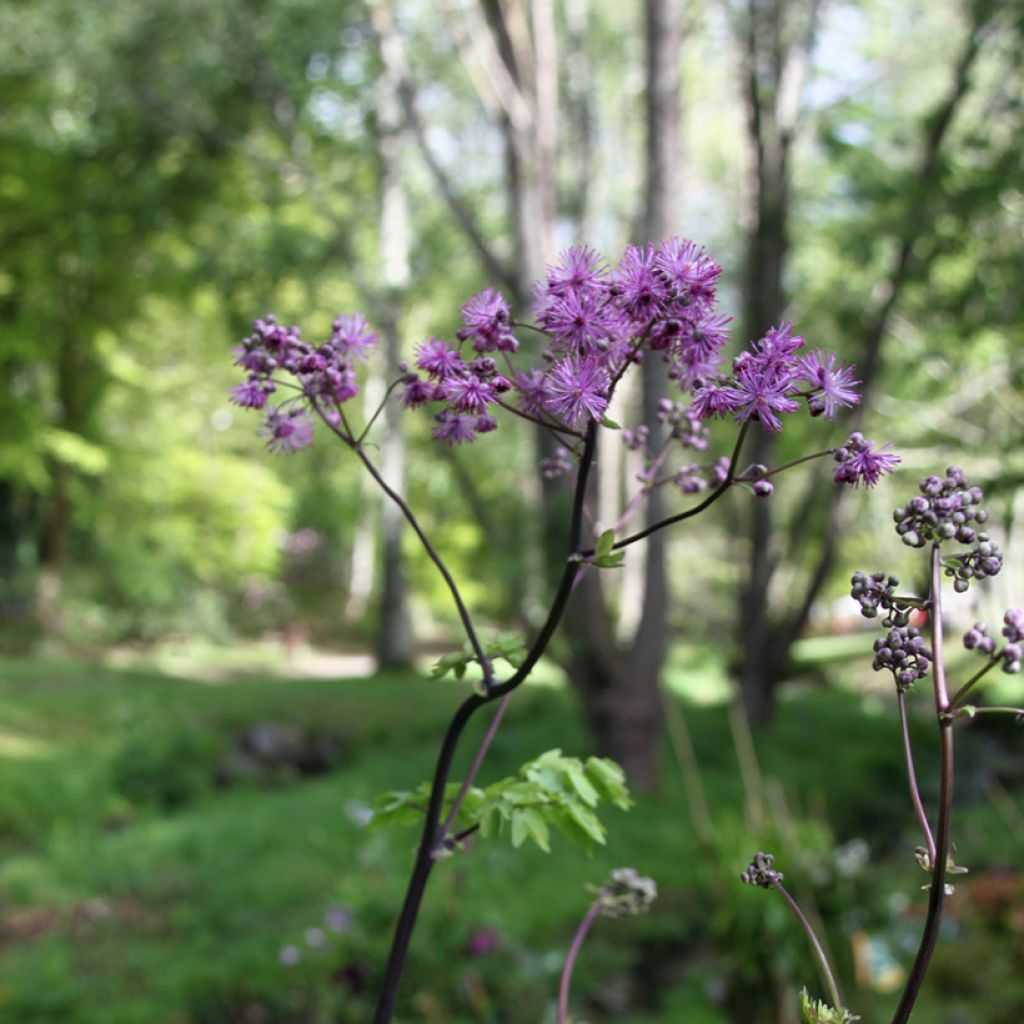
{"x":937,"y":891}
{"x":467,"y":622}
{"x":570,"y":960}
{"x":730,"y":476}
{"x":958,"y":697}
{"x":786,"y":465}
{"x":380,"y":408}
{"x":555,"y":428}
{"x":827,"y":974}
{"x":432,"y":830}
{"x":478,"y":760}
{"x":915,"y":793}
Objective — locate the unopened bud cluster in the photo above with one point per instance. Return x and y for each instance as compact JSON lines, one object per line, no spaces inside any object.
{"x":876,"y":592}
{"x":977,"y":639}
{"x":627,"y":892}
{"x":903,"y":651}
{"x":760,"y":871}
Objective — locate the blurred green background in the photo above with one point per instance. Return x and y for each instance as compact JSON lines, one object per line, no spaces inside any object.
{"x":214,"y":657}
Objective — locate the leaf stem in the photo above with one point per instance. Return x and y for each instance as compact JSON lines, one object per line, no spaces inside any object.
{"x":958,"y":697}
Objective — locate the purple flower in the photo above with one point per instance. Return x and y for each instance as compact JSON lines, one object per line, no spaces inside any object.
{"x":712,"y":399}
{"x":468,"y":394}
{"x":353,"y":337}
{"x":760,"y":393}
{"x":454,"y":428}
{"x":578,"y":270}
{"x":576,"y":390}
{"x":834,"y":383}
{"x":488,"y":322}
{"x":436,"y":358}
{"x":860,"y":463}
{"x":252,"y":394}
{"x":639,"y":285}
{"x":577,"y":320}
{"x":338,"y":919}
{"x":417,"y":391}
{"x":287,"y":431}
{"x":689,"y":268}
{"x":532,"y":396}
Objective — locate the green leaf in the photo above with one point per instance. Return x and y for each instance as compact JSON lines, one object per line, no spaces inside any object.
{"x":588,"y":794}
{"x":537,"y":827}
{"x":607,"y":421}
{"x":604,"y":544}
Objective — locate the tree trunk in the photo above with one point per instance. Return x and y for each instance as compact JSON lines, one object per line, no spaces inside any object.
{"x":394,"y":642}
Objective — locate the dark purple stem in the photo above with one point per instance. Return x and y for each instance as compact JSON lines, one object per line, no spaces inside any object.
{"x":570,"y":960}
{"x":937,"y":892}
{"x":915,"y":792}
{"x":827,"y":974}
{"x":467,"y":622}
{"x":433,"y":834}
{"x":730,"y":476}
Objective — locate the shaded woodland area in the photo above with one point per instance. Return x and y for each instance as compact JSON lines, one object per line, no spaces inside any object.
{"x":170,"y":171}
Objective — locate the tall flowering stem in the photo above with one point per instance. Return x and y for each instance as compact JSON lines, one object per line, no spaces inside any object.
{"x":570,"y":960}
{"x":432,"y":837}
{"x":937,"y":891}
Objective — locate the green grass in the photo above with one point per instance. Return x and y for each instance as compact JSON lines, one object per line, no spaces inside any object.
{"x":118,"y":910}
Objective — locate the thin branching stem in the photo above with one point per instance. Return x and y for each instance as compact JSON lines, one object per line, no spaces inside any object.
{"x":730,"y":477}
{"x":432,"y":835}
{"x":915,"y":792}
{"x":570,"y":960}
{"x":937,"y":890}
{"x":827,"y":974}
{"x":958,"y":697}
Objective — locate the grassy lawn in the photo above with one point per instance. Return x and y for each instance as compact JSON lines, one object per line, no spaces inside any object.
{"x":135,"y":889}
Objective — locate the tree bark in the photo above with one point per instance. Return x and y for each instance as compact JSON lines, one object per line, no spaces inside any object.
{"x":394,"y":641}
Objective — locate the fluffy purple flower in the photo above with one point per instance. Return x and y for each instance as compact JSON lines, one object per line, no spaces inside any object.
{"x":353,"y":337}
{"x":712,"y":399}
{"x":640,"y":287}
{"x":454,"y":428}
{"x":577,"y":321}
{"x":436,"y":358}
{"x":467,"y":394}
{"x":532,"y":396}
{"x":252,"y":394}
{"x":759,"y":393}
{"x":859,"y":462}
{"x":578,"y":270}
{"x":576,"y":390}
{"x":834,"y":383}
{"x":689,"y":268}
{"x":287,"y":430}
{"x":488,"y":322}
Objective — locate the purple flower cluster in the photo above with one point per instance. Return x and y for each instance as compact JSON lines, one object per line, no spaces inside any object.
{"x":978,"y":639}
{"x":324,"y":376}
{"x":860,"y":462}
{"x":656,"y":302}
{"x":903,"y":651}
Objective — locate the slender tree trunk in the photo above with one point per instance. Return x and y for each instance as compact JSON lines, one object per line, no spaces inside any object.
{"x":620,"y":685}
{"x":394,"y":642}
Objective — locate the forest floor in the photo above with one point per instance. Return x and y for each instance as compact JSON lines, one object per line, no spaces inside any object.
{"x":155,"y":870}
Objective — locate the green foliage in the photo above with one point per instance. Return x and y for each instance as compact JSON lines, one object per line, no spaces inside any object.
{"x":817,"y":1012}
{"x":165,"y":766}
{"x":508,"y":647}
{"x":552,"y":791}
